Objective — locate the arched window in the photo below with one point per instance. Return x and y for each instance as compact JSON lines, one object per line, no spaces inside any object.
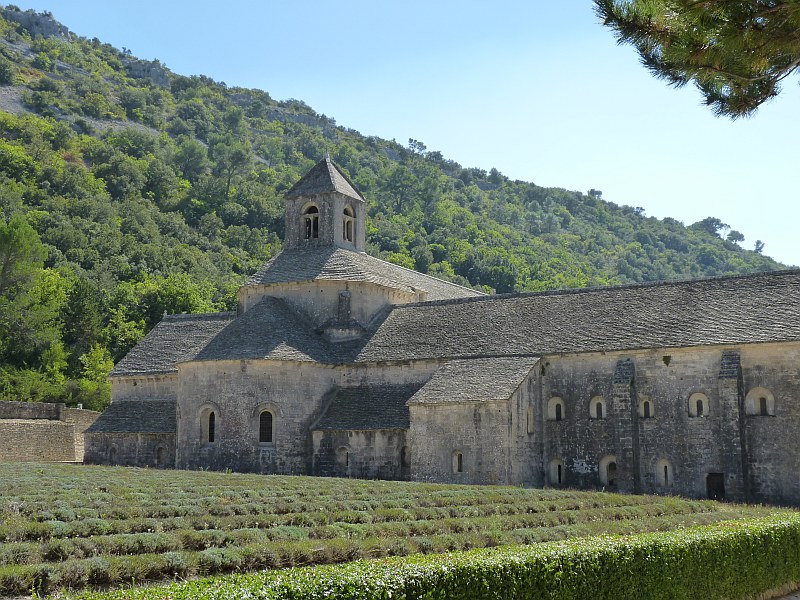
{"x":664,"y":477}
{"x":597,"y":408}
{"x":209,"y":424}
{"x":646,"y":408}
{"x":311,"y":222}
{"x":555,"y":409}
{"x":161,"y":453}
{"x":698,"y":405}
{"x":405,"y":457}
{"x":265,"y":427}
{"x":112,"y":455}
{"x":557,"y":474}
{"x":458,"y":462}
{"x":212,"y":427}
{"x":760,"y":401}
{"x":348,"y":224}
{"x":608,"y":470}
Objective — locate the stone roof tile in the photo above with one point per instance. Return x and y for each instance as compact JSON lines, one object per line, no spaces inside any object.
{"x":269,"y":330}
{"x":475,"y":380}
{"x":727,"y":310}
{"x":137,"y":416}
{"x":340,"y":264}
{"x":173,"y":340}
{"x":324,"y":177}
{"x":368,"y":407}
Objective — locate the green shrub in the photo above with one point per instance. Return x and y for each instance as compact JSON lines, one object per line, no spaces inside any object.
{"x":725,"y":560}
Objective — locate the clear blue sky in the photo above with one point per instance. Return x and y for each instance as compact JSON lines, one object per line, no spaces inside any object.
{"x":538,"y":90}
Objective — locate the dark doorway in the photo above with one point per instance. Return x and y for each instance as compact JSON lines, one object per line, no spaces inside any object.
{"x":611,"y":474}
{"x":715,"y":486}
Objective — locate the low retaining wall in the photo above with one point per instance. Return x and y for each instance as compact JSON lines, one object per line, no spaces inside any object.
{"x":42,"y":432}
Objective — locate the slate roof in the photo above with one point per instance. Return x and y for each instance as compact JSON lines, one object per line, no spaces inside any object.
{"x":727,"y":310}
{"x":173,"y":340}
{"x":340,"y":264}
{"x":368,"y":407}
{"x":270,"y":329}
{"x":476,"y":380}
{"x":323,"y":178}
{"x":137,"y":416}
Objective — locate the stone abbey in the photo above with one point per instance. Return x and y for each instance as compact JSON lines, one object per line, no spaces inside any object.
{"x":337,"y":363}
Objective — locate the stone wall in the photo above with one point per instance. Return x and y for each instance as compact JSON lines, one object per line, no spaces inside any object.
{"x":479,"y":431}
{"x":38,"y":440}
{"x":39,"y":431}
{"x":296,"y":394}
{"x":237,"y":392}
{"x":155,"y":450}
{"x":770,"y":441}
{"x":748,"y":456}
{"x":151,"y":386}
{"x":372,"y":454}
{"x":80,"y":420}
{"x":319,"y":300}
{"x":31,"y":410}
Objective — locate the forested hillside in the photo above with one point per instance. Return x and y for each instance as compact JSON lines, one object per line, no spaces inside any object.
{"x":127,"y":191}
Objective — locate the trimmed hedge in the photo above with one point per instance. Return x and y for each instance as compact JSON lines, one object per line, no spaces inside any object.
{"x":733,"y":559}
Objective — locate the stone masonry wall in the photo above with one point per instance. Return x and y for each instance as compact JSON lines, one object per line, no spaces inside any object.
{"x":319,"y":300}
{"x":373,"y":454}
{"x":152,"y":386}
{"x":39,"y":431}
{"x":39,"y":440}
{"x":296,"y":394}
{"x":773,"y":454}
{"x":155,"y":450}
{"x":479,"y":431}
{"x":31,"y":410}
{"x":80,"y":420}
{"x":237,"y":391}
{"x":691,"y":447}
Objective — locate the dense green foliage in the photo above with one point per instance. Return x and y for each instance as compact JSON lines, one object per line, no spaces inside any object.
{"x":136,"y":195}
{"x":735,"y":52}
{"x":67,"y":526}
{"x":726,"y":560}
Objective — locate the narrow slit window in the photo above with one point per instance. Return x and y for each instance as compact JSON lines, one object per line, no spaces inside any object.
{"x":762,"y":406}
{"x":212,"y":423}
{"x":558,"y":412}
{"x":700,"y":408}
{"x":646,"y":410}
{"x":458,"y":462}
{"x":598,"y":410}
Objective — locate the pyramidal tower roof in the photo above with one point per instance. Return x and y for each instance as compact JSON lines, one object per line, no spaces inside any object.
{"x":324,"y":177}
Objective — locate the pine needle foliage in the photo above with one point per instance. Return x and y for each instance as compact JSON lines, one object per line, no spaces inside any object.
{"x":736,"y":52}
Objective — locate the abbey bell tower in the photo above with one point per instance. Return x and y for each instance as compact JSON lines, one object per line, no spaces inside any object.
{"x":325,"y":209}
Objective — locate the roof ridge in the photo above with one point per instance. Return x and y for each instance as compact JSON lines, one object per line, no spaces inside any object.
{"x":419,"y":273}
{"x":189,"y":316}
{"x":600,"y":288}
